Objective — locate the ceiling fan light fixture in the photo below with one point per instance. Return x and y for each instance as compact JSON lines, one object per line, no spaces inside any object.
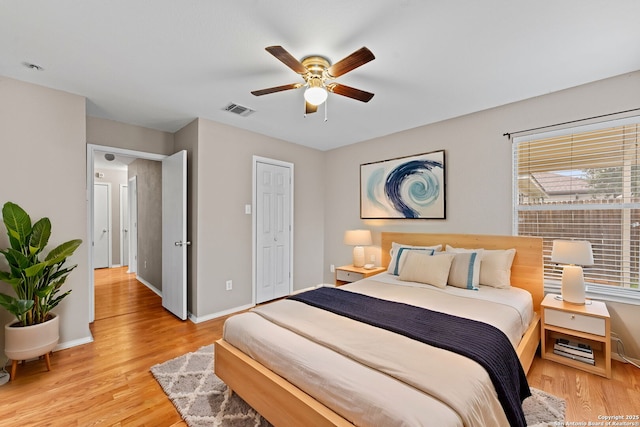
{"x":315,"y":95}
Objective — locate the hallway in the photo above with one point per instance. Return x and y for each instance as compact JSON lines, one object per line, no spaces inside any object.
{"x":118,"y":292}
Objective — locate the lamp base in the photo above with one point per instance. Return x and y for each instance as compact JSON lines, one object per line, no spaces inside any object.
{"x":358,"y":256}
{"x":573,"y":290}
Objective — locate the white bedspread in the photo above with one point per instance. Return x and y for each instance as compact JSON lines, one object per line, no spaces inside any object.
{"x":374,"y":377}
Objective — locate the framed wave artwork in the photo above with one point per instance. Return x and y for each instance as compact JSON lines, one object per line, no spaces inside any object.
{"x":405,"y":187}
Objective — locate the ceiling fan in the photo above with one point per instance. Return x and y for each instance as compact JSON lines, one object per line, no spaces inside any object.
{"x":318,"y":75}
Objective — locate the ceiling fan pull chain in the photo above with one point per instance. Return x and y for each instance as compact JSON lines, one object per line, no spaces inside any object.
{"x":325,"y":109}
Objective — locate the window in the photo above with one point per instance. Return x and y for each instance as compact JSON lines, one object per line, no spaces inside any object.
{"x":584,"y":184}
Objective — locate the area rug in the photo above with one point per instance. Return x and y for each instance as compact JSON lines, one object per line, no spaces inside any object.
{"x":201,"y":397}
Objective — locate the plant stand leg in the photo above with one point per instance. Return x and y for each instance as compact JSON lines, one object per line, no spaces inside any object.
{"x":14,"y":366}
{"x":47,"y":361}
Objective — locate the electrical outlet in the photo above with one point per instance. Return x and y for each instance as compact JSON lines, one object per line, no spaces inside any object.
{"x":372,"y":258}
{"x":332,"y":268}
{"x":229,"y":285}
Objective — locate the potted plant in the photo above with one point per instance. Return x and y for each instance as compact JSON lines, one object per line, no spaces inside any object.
{"x":36,"y":280}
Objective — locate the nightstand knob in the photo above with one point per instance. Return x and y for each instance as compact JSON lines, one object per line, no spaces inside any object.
{"x":573,"y":316}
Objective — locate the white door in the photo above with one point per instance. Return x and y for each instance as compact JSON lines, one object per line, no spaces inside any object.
{"x":273,"y":231}
{"x":124,"y":225}
{"x":174,"y":234}
{"x":133,"y":224}
{"x":101,"y":225}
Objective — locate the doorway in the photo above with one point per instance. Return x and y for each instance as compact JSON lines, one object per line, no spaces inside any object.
{"x":92,"y":151}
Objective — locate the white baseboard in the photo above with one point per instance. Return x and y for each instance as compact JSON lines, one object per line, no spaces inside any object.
{"x":149,"y":285}
{"x":74,"y":343}
{"x":616,"y":356}
{"x":201,"y":319}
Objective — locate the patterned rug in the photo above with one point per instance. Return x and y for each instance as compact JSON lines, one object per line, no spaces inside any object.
{"x":201,"y":398}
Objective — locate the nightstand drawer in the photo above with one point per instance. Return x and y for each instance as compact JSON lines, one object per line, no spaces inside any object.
{"x":348,"y":276}
{"x":576,"y":322}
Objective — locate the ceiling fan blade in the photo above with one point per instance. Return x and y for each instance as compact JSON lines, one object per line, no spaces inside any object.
{"x":287,"y":59}
{"x":356,"y":59}
{"x":350,"y":92}
{"x":310,"y":108}
{"x":276,"y":89}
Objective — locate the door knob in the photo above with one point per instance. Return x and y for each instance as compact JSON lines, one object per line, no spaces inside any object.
{"x":104,"y":230}
{"x":181,"y":243}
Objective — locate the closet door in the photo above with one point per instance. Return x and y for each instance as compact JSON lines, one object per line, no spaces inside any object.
{"x":273,"y":231}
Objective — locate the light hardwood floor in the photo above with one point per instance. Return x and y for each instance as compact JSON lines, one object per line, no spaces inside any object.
{"x":108,"y":383}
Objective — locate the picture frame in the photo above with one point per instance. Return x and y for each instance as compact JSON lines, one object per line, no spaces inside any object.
{"x":411,"y":187}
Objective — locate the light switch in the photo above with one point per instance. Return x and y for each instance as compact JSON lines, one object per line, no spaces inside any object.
{"x":247,"y":209}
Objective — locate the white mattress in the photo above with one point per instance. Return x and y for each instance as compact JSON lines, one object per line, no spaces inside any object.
{"x":374,"y":377}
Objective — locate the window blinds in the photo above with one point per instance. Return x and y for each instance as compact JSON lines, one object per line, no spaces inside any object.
{"x":583,"y":184}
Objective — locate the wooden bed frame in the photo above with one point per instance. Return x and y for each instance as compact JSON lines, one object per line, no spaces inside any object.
{"x":283,"y":404}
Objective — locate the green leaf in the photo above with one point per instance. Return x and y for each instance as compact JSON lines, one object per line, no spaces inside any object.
{"x":40,"y":234}
{"x":17,"y":222}
{"x":17,"y":307}
{"x":16,"y":259}
{"x":44,"y":292}
{"x":63,"y":251}
{"x":8,"y":278}
{"x":35,"y":270}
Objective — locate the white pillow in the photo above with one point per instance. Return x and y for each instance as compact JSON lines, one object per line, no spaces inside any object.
{"x":423,"y":268}
{"x":462,"y":250}
{"x":398,"y":249}
{"x":495,"y":269}
{"x":465,"y":270}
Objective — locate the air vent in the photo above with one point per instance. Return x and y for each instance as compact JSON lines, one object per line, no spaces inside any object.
{"x":238,"y":109}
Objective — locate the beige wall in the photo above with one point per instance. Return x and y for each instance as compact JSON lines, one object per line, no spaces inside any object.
{"x":478,"y":172}
{"x":122,"y":135}
{"x":42,"y":141}
{"x":223,"y":230}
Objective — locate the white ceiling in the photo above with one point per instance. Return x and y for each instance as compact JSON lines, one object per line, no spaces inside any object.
{"x":162,"y":63}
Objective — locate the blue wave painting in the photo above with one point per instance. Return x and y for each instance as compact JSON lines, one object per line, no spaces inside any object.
{"x":409,"y":187}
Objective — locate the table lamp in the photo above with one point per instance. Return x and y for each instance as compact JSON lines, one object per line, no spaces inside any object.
{"x":576,"y":253}
{"x":357,"y":239}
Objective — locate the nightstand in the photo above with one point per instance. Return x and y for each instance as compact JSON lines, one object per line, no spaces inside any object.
{"x":589,"y":324}
{"x":349,"y":273}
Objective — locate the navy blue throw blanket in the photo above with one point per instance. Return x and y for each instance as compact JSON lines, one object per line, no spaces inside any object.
{"x":479,"y":341}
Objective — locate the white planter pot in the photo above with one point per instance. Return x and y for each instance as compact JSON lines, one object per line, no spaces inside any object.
{"x":28,"y":342}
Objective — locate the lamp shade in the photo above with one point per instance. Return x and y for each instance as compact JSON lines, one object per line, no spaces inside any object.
{"x":357,"y":237}
{"x":576,"y":252}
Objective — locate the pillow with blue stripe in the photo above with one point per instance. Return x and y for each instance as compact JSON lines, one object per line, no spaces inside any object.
{"x":398,"y":255}
{"x":465,"y":270}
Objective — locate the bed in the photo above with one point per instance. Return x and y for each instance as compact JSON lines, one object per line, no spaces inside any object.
{"x":274,"y":375}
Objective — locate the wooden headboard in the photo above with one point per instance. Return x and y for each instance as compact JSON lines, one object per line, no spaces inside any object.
{"x":527,"y":267}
